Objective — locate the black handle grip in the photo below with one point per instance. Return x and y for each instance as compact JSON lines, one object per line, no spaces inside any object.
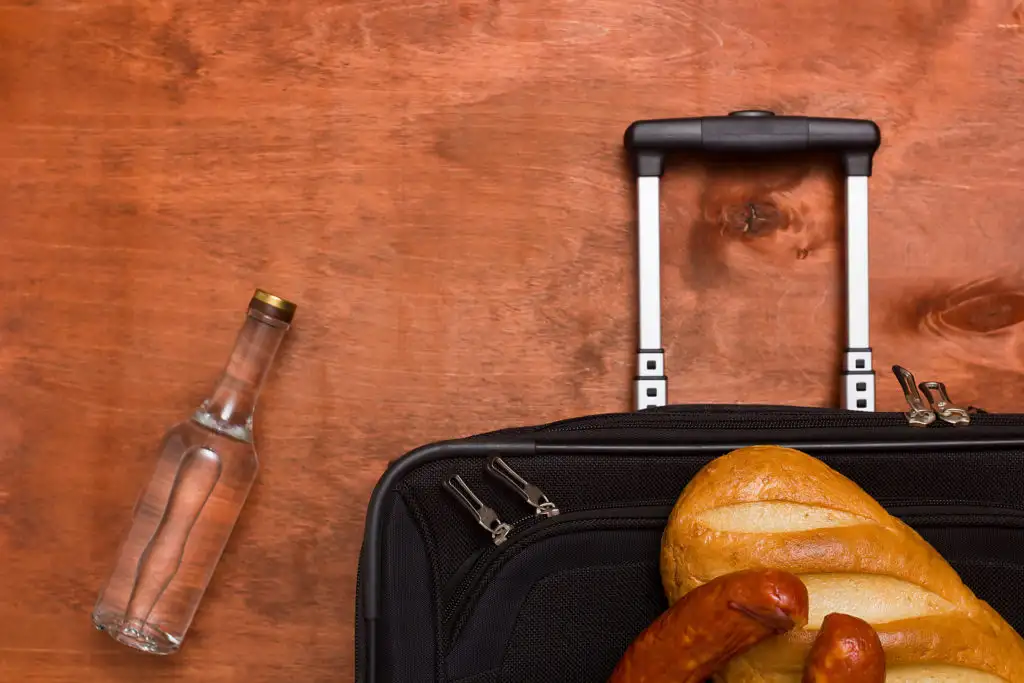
{"x":752,"y":132}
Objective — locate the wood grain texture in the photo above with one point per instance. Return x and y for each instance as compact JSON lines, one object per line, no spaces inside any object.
{"x":440,"y":185}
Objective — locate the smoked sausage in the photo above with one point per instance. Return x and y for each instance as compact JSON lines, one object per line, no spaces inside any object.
{"x":846,"y":650}
{"x":713,"y":623}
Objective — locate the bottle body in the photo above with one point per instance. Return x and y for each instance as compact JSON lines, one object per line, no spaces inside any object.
{"x":186,"y":513}
{"x":181,"y":524}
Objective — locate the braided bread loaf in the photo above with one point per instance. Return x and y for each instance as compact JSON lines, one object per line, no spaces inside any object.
{"x":771,"y":507}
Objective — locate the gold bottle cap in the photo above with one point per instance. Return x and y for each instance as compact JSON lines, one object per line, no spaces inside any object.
{"x":274,"y":306}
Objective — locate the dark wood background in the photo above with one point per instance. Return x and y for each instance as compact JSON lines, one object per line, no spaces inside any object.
{"x":440,"y":186}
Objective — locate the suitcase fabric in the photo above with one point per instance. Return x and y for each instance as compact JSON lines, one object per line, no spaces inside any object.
{"x":468,"y":575}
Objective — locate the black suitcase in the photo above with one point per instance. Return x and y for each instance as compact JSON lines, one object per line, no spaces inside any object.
{"x":530,"y":555}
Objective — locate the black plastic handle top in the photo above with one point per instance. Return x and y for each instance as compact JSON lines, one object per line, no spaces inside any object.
{"x":752,"y":132}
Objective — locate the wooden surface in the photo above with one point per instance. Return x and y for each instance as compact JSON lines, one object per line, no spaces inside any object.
{"x":440,"y":186}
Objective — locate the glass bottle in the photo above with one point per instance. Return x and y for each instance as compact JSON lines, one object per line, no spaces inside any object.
{"x":184,"y":516}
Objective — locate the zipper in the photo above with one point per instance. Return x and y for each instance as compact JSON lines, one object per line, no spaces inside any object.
{"x":918,"y":415}
{"x":942,"y":413}
{"x":542,"y":505}
{"x":951,"y":507}
{"x":915,"y":506}
{"x":699,"y":418}
{"x":944,"y":407}
{"x":543,"y":508}
{"x":465,"y":587}
{"x":484,"y":515}
{"x":476,"y":569}
{"x":527,"y":524}
{"x":724,"y":417}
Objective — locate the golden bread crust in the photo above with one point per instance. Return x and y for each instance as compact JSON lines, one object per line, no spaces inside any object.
{"x":773,"y":507}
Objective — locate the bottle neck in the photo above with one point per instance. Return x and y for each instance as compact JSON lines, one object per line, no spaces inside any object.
{"x":231,"y":405}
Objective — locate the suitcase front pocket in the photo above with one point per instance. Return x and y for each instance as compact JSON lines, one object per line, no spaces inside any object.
{"x":564,"y":600}
{"x":569,"y":594}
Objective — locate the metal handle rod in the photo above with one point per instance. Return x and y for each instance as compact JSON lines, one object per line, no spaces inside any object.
{"x":651,"y":386}
{"x":858,"y":377}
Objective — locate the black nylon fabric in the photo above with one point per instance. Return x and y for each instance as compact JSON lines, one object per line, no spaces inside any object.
{"x":576,"y":624}
{"x":989,"y":562}
{"x":496,"y":612}
{"x":562,"y":598}
{"x":407,"y":625}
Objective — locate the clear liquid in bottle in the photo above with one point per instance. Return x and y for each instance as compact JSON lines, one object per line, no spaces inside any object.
{"x":185,"y":515}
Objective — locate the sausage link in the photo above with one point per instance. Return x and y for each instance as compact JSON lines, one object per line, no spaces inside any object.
{"x":846,"y":650}
{"x":712,"y":624}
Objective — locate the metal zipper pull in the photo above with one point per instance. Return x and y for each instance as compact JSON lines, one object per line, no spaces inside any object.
{"x":542,"y":506}
{"x":919,"y":415}
{"x":947,"y":410}
{"x":485,"y":516}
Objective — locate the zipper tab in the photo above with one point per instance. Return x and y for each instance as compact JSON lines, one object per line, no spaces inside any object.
{"x":485,"y":516}
{"x":947,"y":410}
{"x":918,"y":415}
{"x":542,"y":506}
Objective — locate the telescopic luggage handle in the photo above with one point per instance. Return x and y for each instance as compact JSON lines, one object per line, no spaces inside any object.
{"x":752,"y":132}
